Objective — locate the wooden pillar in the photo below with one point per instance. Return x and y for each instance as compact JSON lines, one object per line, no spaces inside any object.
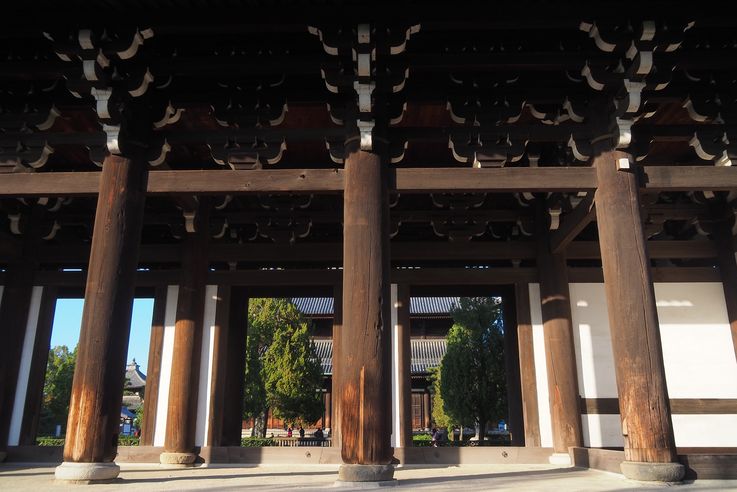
{"x":219,"y":379}
{"x":14,"y":310}
{"x":559,"y":348}
{"x":512,"y":371}
{"x":327,"y":422}
{"x":633,"y":322}
{"x":426,"y":414}
{"x":181,"y":420}
{"x":97,"y":390}
{"x":365,"y":342}
{"x":528,"y":379}
{"x":155,"y":350}
{"x":337,"y":357}
{"x":722,"y":235}
{"x":37,"y":374}
{"x":235,"y":367}
{"x":401,"y":361}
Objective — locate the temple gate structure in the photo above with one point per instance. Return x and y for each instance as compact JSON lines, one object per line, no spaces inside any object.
{"x":574,"y":158}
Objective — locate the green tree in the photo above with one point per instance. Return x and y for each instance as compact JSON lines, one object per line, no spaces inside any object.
{"x":439,"y":417}
{"x":472,"y":380}
{"x":282,"y":369}
{"x":57,"y":389}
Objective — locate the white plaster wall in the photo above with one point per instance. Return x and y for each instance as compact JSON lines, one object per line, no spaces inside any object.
{"x":541,"y":372}
{"x":705,"y":430}
{"x":602,"y":431}
{"x":19,"y":403}
{"x":395,"y":373}
{"x":167,"y":355}
{"x":206,"y":365}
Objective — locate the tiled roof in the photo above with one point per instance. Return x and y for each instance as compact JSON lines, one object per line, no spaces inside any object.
{"x":418,"y":306}
{"x":426,"y":353}
{"x":134,"y":378}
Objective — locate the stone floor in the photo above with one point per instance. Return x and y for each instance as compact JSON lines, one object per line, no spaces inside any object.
{"x":316,"y":477}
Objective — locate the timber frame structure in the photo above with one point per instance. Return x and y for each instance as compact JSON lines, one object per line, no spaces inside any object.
{"x":204,"y":152}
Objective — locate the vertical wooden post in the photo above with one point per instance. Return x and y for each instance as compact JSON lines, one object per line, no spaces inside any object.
{"x":722,"y":235}
{"x":426,"y":413}
{"x":155,"y":348}
{"x":235,"y":368}
{"x":365,"y":343}
{"x":560,"y":352}
{"x":97,"y":390}
{"x":633,"y":322}
{"x":327,"y":422}
{"x":528,"y":379}
{"x":14,"y":310}
{"x":337,"y":357}
{"x":403,"y":355}
{"x":219,"y":379}
{"x":512,"y":370}
{"x":39,"y":360}
{"x":181,"y":418}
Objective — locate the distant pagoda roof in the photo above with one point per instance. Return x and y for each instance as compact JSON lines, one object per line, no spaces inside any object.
{"x":134,"y":378}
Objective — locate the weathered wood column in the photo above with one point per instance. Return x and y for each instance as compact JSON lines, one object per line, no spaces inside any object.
{"x":512,"y":370}
{"x":14,"y":310}
{"x":97,"y":390}
{"x":155,"y":351}
{"x":235,"y":367}
{"x":335,"y":439}
{"x":721,"y":233}
{"x":649,"y":446}
{"x":365,"y":341}
{"x":401,"y":355}
{"x":181,"y":420}
{"x":528,"y":379}
{"x":426,"y":411}
{"x":559,"y":349}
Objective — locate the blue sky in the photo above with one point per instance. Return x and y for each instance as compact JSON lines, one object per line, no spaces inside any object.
{"x":68,"y":321}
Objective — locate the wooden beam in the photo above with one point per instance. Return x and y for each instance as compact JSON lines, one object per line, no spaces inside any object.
{"x":573,"y":224}
{"x":403,"y":180}
{"x":680,"y":406}
{"x":528,"y":378}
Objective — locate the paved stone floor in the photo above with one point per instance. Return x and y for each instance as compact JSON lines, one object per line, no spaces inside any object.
{"x":318,"y":477}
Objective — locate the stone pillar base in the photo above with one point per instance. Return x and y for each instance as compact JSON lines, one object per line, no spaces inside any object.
{"x":177,"y":459}
{"x":653,"y":472}
{"x":376,"y":474}
{"x":560,"y":459}
{"x":86,"y":473}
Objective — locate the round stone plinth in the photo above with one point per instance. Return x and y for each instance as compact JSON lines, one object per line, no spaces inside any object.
{"x":365,"y":473}
{"x":177,"y":459}
{"x":86,"y":472}
{"x":653,"y":472}
{"x":560,"y":459}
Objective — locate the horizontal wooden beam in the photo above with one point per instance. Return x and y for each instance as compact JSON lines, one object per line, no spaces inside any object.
{"x":680,"y":406}
{"x":404,"y":180}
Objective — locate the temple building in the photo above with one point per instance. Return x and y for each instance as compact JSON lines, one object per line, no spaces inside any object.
{"x":571,"y":158}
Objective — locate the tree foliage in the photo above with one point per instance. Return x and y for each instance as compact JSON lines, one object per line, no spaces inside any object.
{"x":57,"y":389}
{"x":439,"y":417}
{"x":282,"y":369}
{"x":472,"y":382}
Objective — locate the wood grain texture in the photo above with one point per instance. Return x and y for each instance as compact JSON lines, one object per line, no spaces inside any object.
{"x":528,"y":378}
{"x":365,"y":341}
{"x":94,"y":410}
{"x":219,"y":380}
{"x":155,"y":348}
{"x":559,"y":350}
{"x":633,"y":318}
{"x":679,"y":406}
{"x":185,"y":369}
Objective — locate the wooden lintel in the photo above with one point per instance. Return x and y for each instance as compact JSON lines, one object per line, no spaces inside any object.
{"x":404,"y":180}
{"x":681,"y":406}
{"x":573,"y":224}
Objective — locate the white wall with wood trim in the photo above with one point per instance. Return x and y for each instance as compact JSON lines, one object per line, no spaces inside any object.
{"x":206,"y":365}
{"x":167,"y":356}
